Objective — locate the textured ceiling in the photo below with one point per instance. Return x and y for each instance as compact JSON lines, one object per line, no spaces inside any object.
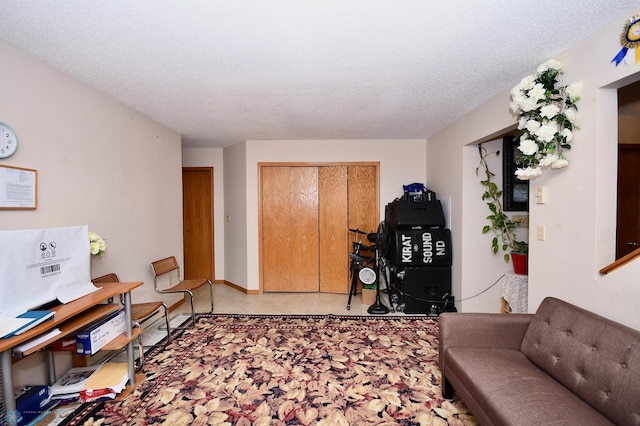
{"x":221,"y":72}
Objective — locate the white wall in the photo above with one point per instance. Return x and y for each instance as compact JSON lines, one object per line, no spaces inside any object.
{"x":212,"y":157}
{"x":451,"y":162}
{"x":580,"y":213}
{"x":235,"y":207}
{"x":401,"y":162}
{"x":99,"y":163}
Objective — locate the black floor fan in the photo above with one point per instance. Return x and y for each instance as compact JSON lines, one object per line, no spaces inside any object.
{"x":381,"y":241}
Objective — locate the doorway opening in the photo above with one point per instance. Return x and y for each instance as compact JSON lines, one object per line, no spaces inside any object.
{"x":628,"y":207}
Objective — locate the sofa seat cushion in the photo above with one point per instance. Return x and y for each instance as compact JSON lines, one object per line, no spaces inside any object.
{"x":513,"y":391}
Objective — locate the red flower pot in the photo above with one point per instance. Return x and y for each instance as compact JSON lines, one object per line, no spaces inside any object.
{"x":520,"y":261}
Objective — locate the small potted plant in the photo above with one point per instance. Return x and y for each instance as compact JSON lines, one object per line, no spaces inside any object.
{"x":500,"y":224}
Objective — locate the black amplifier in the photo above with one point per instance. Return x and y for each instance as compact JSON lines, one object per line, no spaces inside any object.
{"x":421,"y":247}
{"x":401,"y":214}
{"x":426,"y":289}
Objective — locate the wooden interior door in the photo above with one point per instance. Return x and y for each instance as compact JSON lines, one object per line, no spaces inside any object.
{"x":197,"y":228}
{"x":290,"y":229}
{"x":334,"y":262}
{"x":628,"y":212}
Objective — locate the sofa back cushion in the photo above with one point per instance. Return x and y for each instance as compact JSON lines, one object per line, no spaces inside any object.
{"x":597,"y":359}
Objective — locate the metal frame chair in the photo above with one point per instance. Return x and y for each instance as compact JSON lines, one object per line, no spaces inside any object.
{"x":139,"y":311}
{"x":169,"y":265}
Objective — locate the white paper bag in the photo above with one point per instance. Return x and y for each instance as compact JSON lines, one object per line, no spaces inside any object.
{"x":38,"y":266}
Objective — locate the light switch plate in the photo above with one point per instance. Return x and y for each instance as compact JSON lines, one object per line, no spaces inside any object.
{"x":541,"y":232}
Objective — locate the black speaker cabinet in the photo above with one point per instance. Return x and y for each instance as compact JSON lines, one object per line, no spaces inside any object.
{"x":425,"y":289}
{"x":421,"y":247}
{"x":402,"y":214}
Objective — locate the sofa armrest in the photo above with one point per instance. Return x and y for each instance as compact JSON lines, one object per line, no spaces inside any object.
{"x":481,"y":330}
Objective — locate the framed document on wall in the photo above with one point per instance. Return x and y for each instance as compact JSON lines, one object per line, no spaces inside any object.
{"x":515,"y":193}
{"x":18,"y":188}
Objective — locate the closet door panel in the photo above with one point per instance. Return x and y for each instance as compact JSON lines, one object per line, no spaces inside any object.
{"x":363,"y":198}
{"x":334,"y":263}
{"x":304,"y":229}
{"x":363,"y":203}
{"x":276,"y":219}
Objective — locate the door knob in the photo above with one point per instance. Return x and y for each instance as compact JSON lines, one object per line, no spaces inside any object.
{"x":633,"y":243}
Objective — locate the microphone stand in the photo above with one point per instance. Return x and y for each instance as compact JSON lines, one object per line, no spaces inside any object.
{"x":378,"y":308}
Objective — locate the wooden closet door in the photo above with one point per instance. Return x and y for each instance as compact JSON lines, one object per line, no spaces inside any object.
{"x":275,"y":227}
{"x":334,"y":263}
{"x":305,"y":215}
{"x":363,"y":201}
{"x":290,"y":229}
{"x":304,"y":229}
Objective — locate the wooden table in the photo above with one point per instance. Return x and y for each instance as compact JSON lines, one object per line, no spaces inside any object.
{"x":70,"y":318}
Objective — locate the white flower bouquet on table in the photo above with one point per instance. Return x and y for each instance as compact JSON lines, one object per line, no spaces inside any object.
{"x":96,"y":244}
{"x":546,"y":110}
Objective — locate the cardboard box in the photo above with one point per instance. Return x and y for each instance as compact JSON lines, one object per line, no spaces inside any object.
{"x":67,"y":343}
{"x":368,"y":296}
{"x":91,"y":340}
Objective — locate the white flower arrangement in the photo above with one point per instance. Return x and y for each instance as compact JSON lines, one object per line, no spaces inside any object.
{"x":96,"y":244}
{"x":546,"y":110}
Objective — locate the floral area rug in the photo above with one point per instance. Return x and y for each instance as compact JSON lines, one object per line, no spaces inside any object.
{"x":289,"y":370}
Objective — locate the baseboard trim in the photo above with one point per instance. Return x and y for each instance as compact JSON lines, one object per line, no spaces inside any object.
{"x":175,"y":306}
{"x":237,"y":287}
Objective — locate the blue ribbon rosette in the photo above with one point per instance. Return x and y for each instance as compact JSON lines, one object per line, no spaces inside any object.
{"x":629,"y":39}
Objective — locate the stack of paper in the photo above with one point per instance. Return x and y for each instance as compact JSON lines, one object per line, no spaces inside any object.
{"x":72,"y":382}
{"x":107,"y":382}
{"x":13,"y":326}
{"x":19,"y":350}
{"x":90,"y":383}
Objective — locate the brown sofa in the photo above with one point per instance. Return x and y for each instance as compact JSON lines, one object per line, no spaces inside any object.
{"x":562,"y":365}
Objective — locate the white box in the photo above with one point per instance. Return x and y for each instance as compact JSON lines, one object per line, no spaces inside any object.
{"x":91,"y":340}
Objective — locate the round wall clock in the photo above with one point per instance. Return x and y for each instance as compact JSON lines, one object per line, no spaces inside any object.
{"x":8,"y":141}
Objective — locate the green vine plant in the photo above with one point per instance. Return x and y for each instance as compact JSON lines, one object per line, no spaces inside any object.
{"x":499,"y":223}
